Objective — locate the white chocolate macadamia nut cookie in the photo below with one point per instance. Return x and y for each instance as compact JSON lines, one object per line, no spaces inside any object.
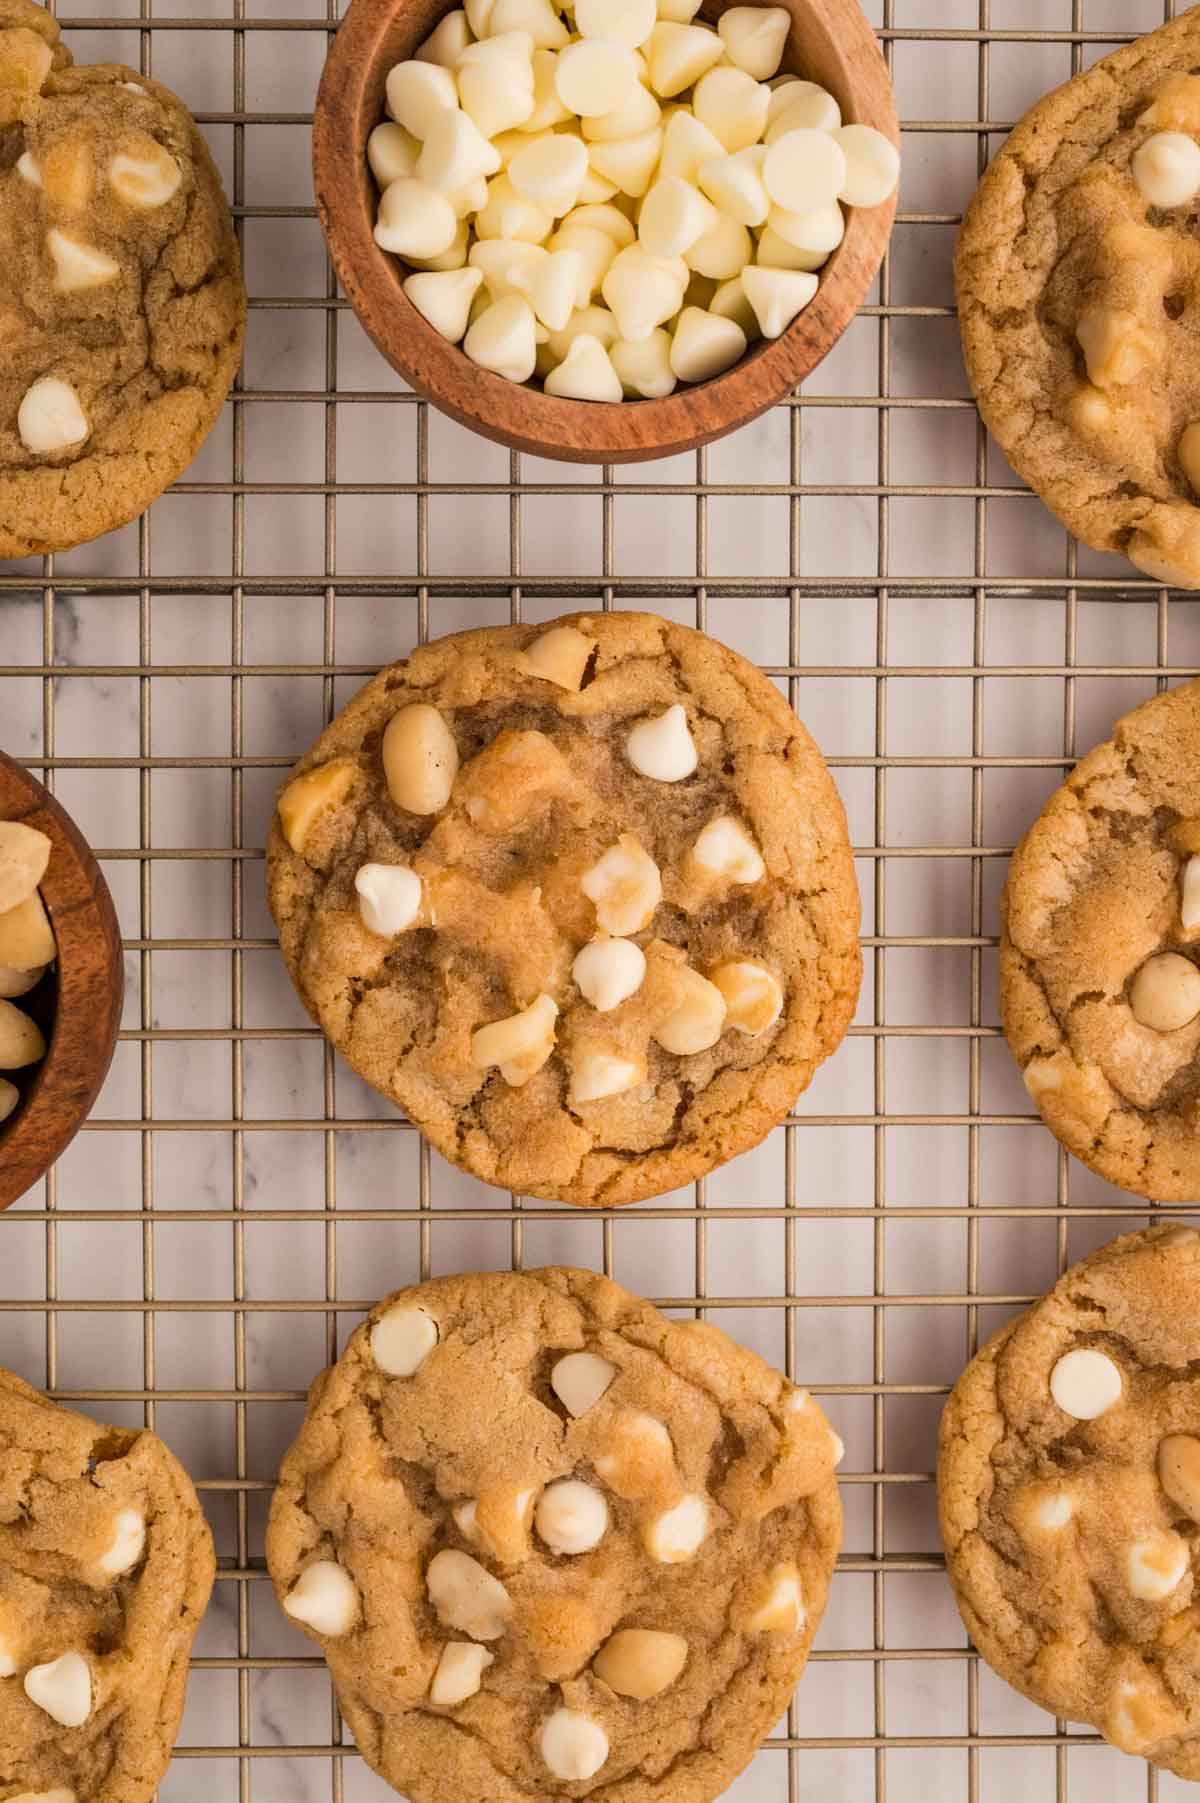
{"x":106,"y":1564}
{"x":502,"y":1619}
{"x":1078,"y":274}
{"x":122,"y":306}
{"x":538,"y":162}
{"x":577,"y":896}
{"x":1100,"y":954}
{"x":1069,"y":1493}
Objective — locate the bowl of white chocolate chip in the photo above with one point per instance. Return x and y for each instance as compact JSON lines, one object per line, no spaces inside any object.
{"x":540,"y":213}
{"x":61,"y":980}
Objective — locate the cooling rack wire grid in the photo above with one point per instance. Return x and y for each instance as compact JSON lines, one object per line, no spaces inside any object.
{"x":239,"y":1197}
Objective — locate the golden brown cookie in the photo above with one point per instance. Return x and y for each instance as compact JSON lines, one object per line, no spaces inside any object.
{"x":1079,"y":301}
{"x":554,"y":1544}
{"x":106,"y":1564}
{"x":122,"y":306}
{"x":1069,"y":1490}
{"x":1099,"y":982}
{"x":579,"y":898}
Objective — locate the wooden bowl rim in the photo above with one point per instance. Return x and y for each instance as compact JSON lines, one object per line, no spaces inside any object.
{"x":524,"y":417}
{"x":90,"y":989}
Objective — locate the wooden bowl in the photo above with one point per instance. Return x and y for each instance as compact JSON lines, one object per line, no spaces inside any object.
{"x":78,"y":1008}
{"x":830,"y":42}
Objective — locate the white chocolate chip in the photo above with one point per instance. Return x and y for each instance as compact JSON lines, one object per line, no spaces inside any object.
{"x":128,"y":1544}
{"x":625,"y":886}
{"x":537,"y":18}
{"x":447,"y":41}
{"x":459,"y":1673}
{"x":595,"y":76}
{"x":509,"y":217}
{"x":674,"y":214}
{"x":778,"y":296}
{"x":414,"y":219}
{"x":726,"y":848}
{"x":495,"y":82}
{"x":504,"y":265}
{"x":816,"y":234}
{"x":735,"y":185}
{"x":596,"y":320}
{"x":698,"y":1019}
{"x":640,"y":113}
{"x":627,"y":22}
{"x":550,"y":171}
{"x":733,"y":106}
{"x":28,"y":170}
{"x":571,"y":1517}
{"x":551,"y":285}
{"x":872,"y":166}
{"x":596,"y":1075}
{"x":573,"y":1746}
{"x":1157,"y":1565}
{"x":466,"y":1596}
{"x":420,"y":759}
{"x":389,"y":898}
{"x":307,"y":797}
{"x":629,"y":163}
{"x":444,"y":298}
{"x":1166,"y":169}
{"x":50,"y":417}
{"x":705,"y":344}
{"x":580,"y":1379}
{"x":753,"y":996}
{"x":504,"y":339}
{"x":609,"y":971}
{"x":731,"y":303}
{"x":640,"y":1662}
{"x":560,"y":656}
{"x":520,"y":1044}
{"x":662,"y":747}
{"x":644,"y":368}
{"x":688,"y":146}
{"x":586,"y":373}
{"x":678,"y":55}
{"x":402,"y":1339}
{"x":145,"y":181}
{"x":722,"y":253}
{"x":1053,"y":1512}
{"x":78,"y":266}
{"x":62,"y":1688}
{"x":642,"y":292}
{"x":417,"y":92}
{"x":1085,"y":1383}
{"x":8,"y":1659}
{"x":804,"y":169}
{"x":606,"y":219}
{"x":801,"y":106}
{"x":325,"y":1598}
{"x":779,"y":1605}
{"x":679,"y":1532}
{"x":455,"y":152}
{"x":1165,"y":993}
{"x":754,"y":38}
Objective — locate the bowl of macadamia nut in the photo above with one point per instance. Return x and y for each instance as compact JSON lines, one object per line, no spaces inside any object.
{"x":611,"y":230}
{"x":61,"y":980}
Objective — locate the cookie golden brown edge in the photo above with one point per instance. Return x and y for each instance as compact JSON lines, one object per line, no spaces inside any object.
{"x":485,"y":810}
{"x":1069,"y":1497}
{"x":122,"y":305}
{"x":1100,"y":928}
{"x":554,"y":1544}
{"x":1077,"y":302}
{"x":106,"y":1565}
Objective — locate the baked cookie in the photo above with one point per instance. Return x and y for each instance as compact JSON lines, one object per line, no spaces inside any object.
{"x":1099,"y":982}
{"x":554,"y":1544}
{"x":1079,"y":295}
{"x":106,"y":1564}
{"x":578,"y":898}
{"x":1069,"y":1490}
{"x":122,"y":306}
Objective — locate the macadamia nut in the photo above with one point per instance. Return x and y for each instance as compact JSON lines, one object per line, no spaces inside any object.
{"x":24,"y":855}
{"x":21,"y":1039}
{"x":520,"y":1045}
{"x":560,"y":656}
{"x":640,"y":1662}
{"x":1165,"y":993}
{"x":420,"y":759}
{"x":466,"y":1596}
{"x":307,"y":797}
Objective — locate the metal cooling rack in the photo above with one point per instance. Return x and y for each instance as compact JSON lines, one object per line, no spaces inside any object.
{"x":239,"y":1198}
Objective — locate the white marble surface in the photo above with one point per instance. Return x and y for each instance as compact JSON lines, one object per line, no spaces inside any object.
{"x":199,"y":1214}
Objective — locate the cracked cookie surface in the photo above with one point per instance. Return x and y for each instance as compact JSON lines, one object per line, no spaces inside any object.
{"x":1069,"y":1494}
{"x":122,"y":305}
{"x":1079,"y":305}
{"x":106,"y":1564}
{"x":603,"y":1537}
{"x":729,"y":886}
{"x":1099,"y":984}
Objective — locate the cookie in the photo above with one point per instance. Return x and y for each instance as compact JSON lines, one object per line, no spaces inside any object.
{"x":578,"y":898}
{"x":1078,"y":274}
{"x":106,"y":1564}
{"x":122,"y":306}
{"x":553,"y":1544}
{"x":1069,"y":1492}
{"x":1099,"y":983}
